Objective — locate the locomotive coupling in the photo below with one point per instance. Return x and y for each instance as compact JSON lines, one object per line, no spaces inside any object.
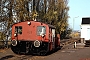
{"x":14,"y":42}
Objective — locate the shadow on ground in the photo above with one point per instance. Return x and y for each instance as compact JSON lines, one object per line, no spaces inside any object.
{"x":6,"y":57}
{"x":49,"y":53}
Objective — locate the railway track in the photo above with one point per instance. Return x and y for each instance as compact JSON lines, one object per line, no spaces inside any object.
{"x":13,"y":56}
{"x":63,"y":42}
{"x":69,"y":41}
{"x":16,"y":57}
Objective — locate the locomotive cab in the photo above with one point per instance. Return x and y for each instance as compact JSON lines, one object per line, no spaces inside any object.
{"x":33,"y":37}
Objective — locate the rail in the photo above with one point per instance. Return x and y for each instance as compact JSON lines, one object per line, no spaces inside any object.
{"x":69,"y":41}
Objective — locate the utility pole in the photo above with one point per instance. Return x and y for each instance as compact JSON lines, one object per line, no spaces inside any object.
{"x":74,"y":21}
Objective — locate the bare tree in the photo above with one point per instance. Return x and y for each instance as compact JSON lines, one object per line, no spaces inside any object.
{"x":54,"y":12}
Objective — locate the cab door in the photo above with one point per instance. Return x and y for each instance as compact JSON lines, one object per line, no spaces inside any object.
{"x":53,"y":38}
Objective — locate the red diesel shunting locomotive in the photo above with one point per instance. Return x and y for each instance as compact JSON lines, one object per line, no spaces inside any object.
{"x":34,"y":37}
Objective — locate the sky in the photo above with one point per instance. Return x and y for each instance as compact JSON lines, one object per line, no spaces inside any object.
{"x":77,"y":10}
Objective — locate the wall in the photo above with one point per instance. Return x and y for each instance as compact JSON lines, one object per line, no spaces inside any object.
{"x":85,"y":31}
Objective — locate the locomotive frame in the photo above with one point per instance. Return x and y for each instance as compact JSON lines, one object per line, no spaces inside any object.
{"x":34,"y":38}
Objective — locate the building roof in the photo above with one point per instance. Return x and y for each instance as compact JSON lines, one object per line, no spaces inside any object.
{"x":86,"y":20}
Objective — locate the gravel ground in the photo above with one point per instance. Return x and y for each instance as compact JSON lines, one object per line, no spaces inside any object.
{"x":67,"y":53}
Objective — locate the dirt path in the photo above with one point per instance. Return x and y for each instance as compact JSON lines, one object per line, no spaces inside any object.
{"x":67,"y":53}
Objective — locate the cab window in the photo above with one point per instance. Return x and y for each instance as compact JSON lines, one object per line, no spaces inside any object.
{"x":41,"y":30}
{"x":18,"y":29}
